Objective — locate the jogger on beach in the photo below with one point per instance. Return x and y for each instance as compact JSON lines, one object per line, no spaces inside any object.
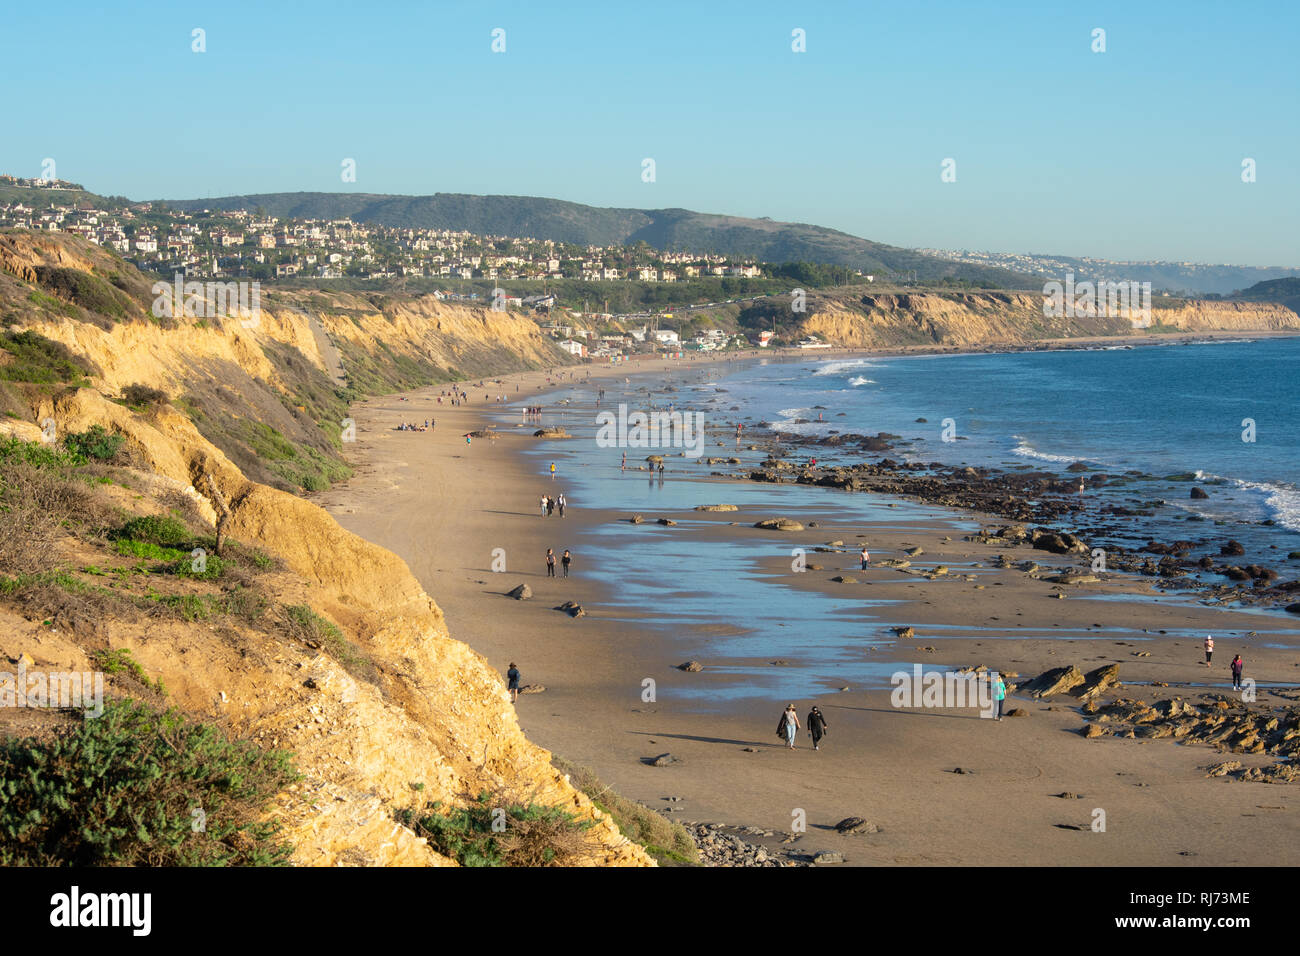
{"x":788,"y":726}
{"x":816,"y":727}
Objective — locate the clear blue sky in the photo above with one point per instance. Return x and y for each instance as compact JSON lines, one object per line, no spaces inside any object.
{"x":1131,"y":153}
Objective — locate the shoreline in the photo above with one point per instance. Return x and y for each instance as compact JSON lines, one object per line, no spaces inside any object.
{"x":593,"y":667}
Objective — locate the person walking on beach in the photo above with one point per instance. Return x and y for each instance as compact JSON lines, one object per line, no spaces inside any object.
{"x":512,"y":679}
{"x":565,"y":560}
{"x":1209,"y":649}
{"x":624,"y":465}
{"x":550,"y":563}
{"x":788,"y":726}
{"x":550,"y":506}
{"x":544,"y":500}
{"x":866,"y":558}
{"x":816,"y":727}
{"x":561,"y":502}
{"x":1237,"y":667}
{"x":552,"y":471}
{"x":999,"y":694}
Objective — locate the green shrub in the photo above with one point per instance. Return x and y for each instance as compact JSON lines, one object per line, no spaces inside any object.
{"x":40,"y":360}
{"x":121,"y":661}
{"x":147,"y":551}
{"x":96,"y":443}
{"x":33,"y":453}
{"x":156,"y":529}
{"x":140,"y":787}
{"x":140,"y":396}
{"x":85,"y":289}
{"x":499,"y":831}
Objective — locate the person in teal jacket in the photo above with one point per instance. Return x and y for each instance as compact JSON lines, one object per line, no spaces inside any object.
{"x":999,"y":694}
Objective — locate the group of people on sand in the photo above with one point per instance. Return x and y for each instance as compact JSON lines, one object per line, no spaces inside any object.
{"x":429,"y":425}
{"x":565,"y":560}
{"x":550,"y":504}
{"x":456,"y":396}
{"x":789,"y":726}
{"x":1236,"y":667}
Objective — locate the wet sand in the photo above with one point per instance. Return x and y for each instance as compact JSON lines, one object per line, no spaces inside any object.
{"x":444,"y":507}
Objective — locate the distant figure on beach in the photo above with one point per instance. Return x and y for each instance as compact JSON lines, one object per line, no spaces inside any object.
{"x":565,"y":560}
{"x":864,"y":556}
{"x":561,"y":502}
{"x":1209,"y":649}
{"x":544,"y":499}
{"x":512,"y":685}
{"x":552,"y":470}
{"x":467,"y":439}
{"x":550,"y":506}
{"x":624,"y":466}
{"x":1237,"y":667}
{"x":550,"y":563}
{"x":816,"y":727}
{"x":1081,"y":489}
{"x":999,"y":694}
{"x":788,"y":726}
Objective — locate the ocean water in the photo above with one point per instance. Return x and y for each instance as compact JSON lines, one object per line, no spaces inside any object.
{"x":1158,"y":410}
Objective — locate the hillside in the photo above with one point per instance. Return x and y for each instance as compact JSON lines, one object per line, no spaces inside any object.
{"x":1285,"y":291}
{"x":267,"y":397}
{"x":665,"y":229}
{"x":1185,"y":278}
{"x":293,"y":638}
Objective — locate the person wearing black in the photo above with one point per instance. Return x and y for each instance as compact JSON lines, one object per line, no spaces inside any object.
{"x":1237,"y":667}
{"x":550,"y":563}
{"x":816,"y":727}
{"x":565,"y":560}
{"x":512,"y":678}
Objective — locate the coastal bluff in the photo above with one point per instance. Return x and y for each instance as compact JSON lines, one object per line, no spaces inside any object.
{"x":426,"y":719}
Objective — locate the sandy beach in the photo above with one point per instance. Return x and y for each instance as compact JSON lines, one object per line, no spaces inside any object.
{"x":444,"y":506}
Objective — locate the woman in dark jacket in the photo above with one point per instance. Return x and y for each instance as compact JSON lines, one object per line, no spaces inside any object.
{"x":816,"y":727}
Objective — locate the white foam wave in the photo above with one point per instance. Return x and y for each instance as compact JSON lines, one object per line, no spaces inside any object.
{"x":1026,"y":450}
{"x":835,"y":368}
{"x":860,"y":380}
{"x":1282,"y":501}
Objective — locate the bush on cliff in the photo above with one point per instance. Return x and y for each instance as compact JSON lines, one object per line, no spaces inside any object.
{"x":140,"y":787}
{"x":501,"y":830}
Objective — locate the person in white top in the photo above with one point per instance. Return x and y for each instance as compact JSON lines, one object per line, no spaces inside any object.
{"x":1209,"y":649}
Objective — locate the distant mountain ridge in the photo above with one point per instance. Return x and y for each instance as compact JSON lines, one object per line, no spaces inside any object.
{"x":1180,"y":277}
{"x":666,"y":229}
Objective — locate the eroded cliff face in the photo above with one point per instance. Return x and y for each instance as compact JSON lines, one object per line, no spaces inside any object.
{"x":435,"y":713}
{"x":986,"y":318}
{"x":431,"y":720}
